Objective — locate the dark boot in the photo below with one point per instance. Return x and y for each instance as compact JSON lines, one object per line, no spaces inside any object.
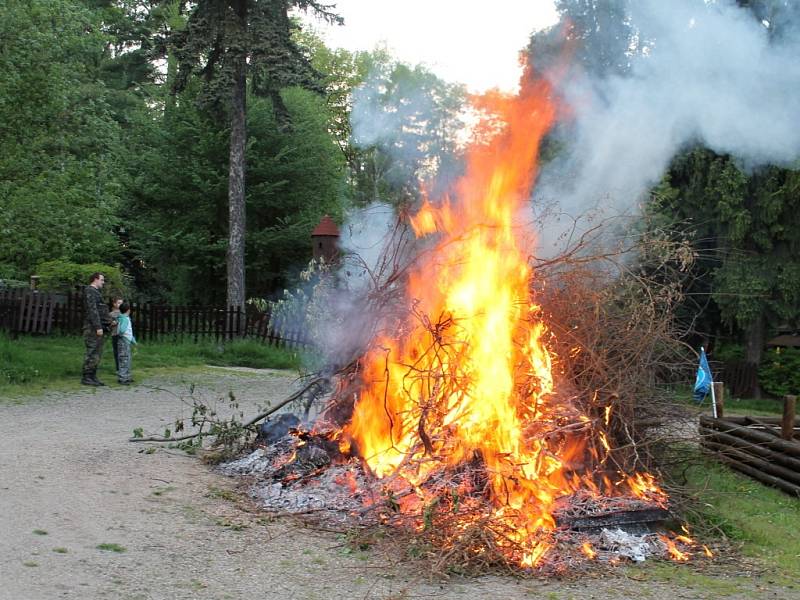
{"x":87,"y":379}
{"x":95,"y":379}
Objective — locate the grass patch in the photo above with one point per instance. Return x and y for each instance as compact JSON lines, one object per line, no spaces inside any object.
{"x":32,"y":364}
{"x":60,"y":550}
{"x":764,"y":520}
{"x":739,"y":406}
{"x":751,"y":406}
{"x":39,"y":532}
{"x":112,"y":548}
{"x":248,"y":353}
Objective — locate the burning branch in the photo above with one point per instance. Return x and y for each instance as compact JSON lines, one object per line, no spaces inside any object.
{"x":496,"y":398}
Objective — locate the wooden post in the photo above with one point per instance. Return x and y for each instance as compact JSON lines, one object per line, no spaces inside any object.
{"x":719,"y":395}
{"x":787,"y":424}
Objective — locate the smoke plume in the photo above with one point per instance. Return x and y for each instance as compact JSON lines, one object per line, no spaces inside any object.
{"x":697,"y":72}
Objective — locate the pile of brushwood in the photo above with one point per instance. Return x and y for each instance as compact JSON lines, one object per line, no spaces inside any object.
{"x":616,"y":343}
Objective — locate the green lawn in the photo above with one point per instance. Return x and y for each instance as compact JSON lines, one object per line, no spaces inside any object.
{"x":736,"y":406}
{"x":763,"y":520}
{"x":753,"y":407}
{"x":31,"y":364}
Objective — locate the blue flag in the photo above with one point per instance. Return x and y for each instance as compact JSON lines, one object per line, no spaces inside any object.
{"x":702,"y":384}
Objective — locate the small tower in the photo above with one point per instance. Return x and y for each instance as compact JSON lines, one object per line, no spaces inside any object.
{"x":324,"y":239}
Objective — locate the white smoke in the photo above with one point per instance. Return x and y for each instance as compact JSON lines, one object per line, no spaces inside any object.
{"x":708,"y":73}
{"x":363,"y":239}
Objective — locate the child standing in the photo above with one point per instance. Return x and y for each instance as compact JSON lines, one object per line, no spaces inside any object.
{"x":126,"y":340}
{"x":114,"y":314}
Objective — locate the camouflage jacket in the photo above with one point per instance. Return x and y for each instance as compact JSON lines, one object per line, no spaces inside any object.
{"x":97,"y":316}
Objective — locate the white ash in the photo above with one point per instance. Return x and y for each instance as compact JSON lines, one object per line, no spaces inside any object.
{"x":343,"y":493}
{"x":329,"y":491}
{"x":262,"y":460}
{"x":339,"y":490}
{"x":627,"y":545}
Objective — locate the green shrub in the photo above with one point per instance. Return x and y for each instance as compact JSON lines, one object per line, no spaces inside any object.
{"x":779,"y":372}
{"x":6,"y":284}
{"x":726,"y":351}
{"x":62,"y":275}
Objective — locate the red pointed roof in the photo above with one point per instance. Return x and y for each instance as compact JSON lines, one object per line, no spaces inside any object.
{"x":326,"y":227}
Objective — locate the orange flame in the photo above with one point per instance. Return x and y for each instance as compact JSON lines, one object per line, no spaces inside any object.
{"x":644,"y":486}
{"x":587,"y":549}
{"x":468,"y":375}
{"x":673,"y":551}
{"x":688,"y":541}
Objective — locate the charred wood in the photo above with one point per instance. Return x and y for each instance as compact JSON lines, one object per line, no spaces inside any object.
{"x":644,"y":519}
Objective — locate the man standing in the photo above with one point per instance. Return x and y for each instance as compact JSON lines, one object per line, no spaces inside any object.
{"x":97,"y":320}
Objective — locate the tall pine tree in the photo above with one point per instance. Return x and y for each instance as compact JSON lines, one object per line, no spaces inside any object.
{"x":230,"y":43}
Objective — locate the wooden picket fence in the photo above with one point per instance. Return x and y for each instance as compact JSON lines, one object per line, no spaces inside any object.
{"x":740,"y":378}
{"x":26,"y":312}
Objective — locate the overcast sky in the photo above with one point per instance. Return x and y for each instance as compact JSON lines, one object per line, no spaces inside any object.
{"x":468,"y":42}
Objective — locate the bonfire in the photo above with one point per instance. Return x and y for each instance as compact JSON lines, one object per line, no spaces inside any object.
{"x":457,"y":423}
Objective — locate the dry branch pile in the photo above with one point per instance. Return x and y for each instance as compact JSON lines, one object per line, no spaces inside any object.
{"x":614,"y":341}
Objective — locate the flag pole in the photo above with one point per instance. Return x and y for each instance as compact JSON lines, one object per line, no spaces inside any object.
{"x":713,"y":401}
{"x":713,"y":395}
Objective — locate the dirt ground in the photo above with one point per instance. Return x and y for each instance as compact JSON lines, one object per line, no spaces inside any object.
{"x":85,"y":514}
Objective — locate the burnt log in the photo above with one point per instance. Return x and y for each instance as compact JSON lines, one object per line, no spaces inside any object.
{"x":633,"y":521}
{"x":312,"y":453}
{"x":271,"y":430}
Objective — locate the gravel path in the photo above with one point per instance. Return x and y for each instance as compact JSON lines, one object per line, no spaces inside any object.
{"x":86,"y":515}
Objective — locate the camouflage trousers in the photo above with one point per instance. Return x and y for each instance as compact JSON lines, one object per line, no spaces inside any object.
{"x":94,"y":350}
{"x":124,"y":353}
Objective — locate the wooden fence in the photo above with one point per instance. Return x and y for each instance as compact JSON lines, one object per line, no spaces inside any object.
{"x":740,"y":378}
{"x":23,"y":311}
{"x":765,"y":448}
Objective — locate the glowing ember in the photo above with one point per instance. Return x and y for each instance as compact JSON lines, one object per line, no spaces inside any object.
{"x":587,"y":549}
{"x":348,"y":480}
{"x":643,"y":485}
{"x":672,"y":549}
{"x":468,"y":377}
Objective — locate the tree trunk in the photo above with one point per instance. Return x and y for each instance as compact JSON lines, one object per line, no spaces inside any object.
{"x":283,"y":119}
{"x":236,"y":191}
{"x":172,"y":73}
{"x":753,"y":350}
